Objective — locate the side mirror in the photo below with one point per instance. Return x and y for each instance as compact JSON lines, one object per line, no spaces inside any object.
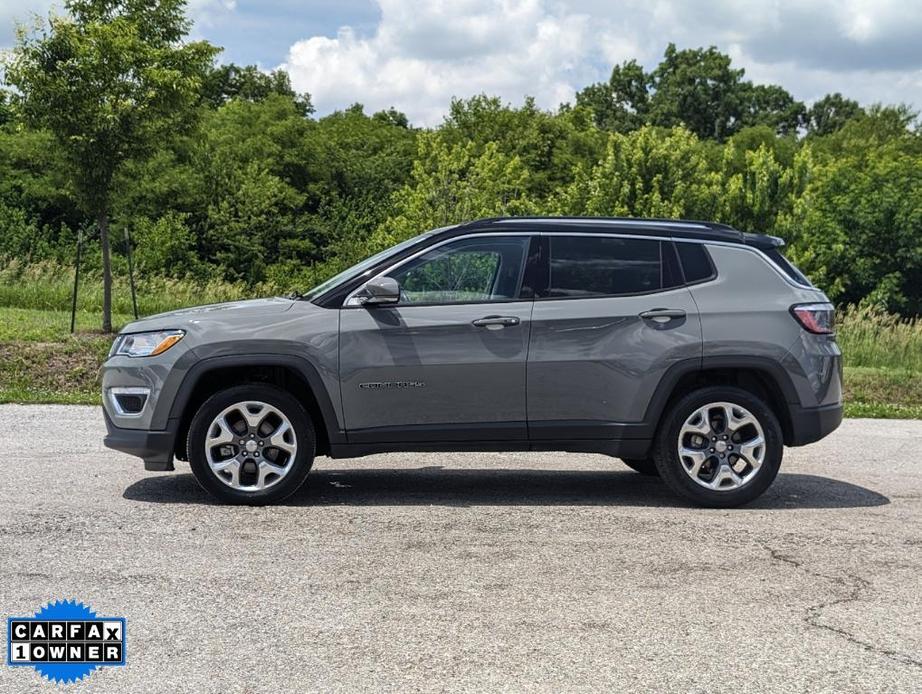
{"x":381,"y":290}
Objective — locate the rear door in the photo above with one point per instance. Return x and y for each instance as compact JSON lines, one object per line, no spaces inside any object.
{"x":611,"y":317}
{"x":446,"y":363}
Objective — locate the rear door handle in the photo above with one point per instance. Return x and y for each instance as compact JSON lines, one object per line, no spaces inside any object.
{"x":662,"y":315}
{"x":496,"y":322}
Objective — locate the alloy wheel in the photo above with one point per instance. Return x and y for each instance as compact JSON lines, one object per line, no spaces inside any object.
{"x":721,"y":446}
{"x":250,"y":446}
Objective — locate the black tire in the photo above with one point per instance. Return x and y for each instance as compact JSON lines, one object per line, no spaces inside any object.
{"x":671,"y":469}
{"x":301,"y":425}
{"x":645,"y":466}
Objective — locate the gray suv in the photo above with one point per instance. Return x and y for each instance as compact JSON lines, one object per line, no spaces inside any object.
{"x":690,"y":350}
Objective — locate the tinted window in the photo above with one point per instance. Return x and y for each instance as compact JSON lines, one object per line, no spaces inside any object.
{"x":672,"y":272}
{"x":468,"y":270}
{"x":696,"y":264}
{"x":788,"y":267}
{"x":603,"y":266}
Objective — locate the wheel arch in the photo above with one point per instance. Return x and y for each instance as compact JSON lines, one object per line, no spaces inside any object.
{"x":294,"y":374}
{"x":760,"y":376}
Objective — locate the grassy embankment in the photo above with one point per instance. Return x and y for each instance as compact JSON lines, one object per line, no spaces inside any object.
{"x":41,"y":362}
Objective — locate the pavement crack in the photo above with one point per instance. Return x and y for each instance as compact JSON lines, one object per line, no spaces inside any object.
{"x":855,"y":587}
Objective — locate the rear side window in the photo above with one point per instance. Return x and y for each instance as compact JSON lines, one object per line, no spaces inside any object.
{"x":585,"y":266}
{"x":788,"y":267}
{"x":696,"y":263}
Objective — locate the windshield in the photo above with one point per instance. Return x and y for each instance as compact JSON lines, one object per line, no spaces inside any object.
{"x":359,"y":268}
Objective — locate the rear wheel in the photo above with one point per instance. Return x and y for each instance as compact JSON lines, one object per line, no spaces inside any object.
{"x":251,"y":444}
{"x":645,"y":466}
{"x":719,"y":446}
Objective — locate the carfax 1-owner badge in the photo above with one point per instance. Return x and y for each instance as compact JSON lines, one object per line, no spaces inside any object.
{"x":65,"y":641}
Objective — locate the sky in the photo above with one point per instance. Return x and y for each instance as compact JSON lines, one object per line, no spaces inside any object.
{"x":417,"y":55}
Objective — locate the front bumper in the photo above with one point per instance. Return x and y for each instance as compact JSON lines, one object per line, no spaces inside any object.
{"x":154,"y":447}
{"x":809,"y":424}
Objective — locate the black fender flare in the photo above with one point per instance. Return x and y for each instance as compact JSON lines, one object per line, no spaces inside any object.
{"x":300,"y":365}
{"x":661,"y":396}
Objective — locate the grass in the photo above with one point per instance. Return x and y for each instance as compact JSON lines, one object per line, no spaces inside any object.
{"x":60,"y":371}
{"x":32,"y":325}
{"x":882,"y":393}
{"x":874,"y":339}
{"x":49,"y":287}
{"x":41,"y":362}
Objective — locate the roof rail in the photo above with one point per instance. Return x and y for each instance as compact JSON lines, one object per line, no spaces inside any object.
{"x":680,"y":228}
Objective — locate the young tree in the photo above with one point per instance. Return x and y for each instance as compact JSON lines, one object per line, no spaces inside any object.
{"x":109,"y":79}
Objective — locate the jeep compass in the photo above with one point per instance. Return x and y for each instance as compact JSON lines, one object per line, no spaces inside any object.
{"x":689,"y":350}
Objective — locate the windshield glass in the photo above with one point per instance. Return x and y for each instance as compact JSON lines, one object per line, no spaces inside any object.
{"x":359,"y":268}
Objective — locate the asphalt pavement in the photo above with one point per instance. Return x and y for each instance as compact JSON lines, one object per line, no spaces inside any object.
{"x":473,"y":572}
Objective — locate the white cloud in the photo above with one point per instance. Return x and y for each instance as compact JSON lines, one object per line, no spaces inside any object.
{"x":423,"y":53}
{"x":203,"y":11}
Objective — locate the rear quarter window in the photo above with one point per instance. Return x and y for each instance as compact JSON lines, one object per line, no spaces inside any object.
{"x":696,"y":263}
{"x":787,"y":267}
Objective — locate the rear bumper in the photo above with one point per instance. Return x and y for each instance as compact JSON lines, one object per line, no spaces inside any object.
{"x":809,"y":424}
{"x":154,"y":447}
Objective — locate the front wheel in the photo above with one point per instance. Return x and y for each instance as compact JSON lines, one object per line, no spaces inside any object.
{"x":719,"y":446}
{"x":251,"y":444}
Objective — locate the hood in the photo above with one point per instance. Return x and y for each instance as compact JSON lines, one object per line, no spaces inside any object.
{"x":229,"y":311}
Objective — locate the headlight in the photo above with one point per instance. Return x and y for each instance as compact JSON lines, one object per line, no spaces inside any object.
{"x":145,"y":344}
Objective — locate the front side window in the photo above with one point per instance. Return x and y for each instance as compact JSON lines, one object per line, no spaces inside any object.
{"x":474,"y":270}
{"x":586,"y":266}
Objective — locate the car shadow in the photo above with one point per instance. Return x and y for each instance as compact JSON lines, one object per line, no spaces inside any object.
{"x":435,"y":485}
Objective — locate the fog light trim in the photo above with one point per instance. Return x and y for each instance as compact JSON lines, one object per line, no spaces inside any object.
{"x":115,"y":395}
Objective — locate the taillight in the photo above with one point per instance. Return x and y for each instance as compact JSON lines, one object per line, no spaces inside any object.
{"x":815,"y":318}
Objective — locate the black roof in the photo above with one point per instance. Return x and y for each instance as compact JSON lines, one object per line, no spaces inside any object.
{"x":677,"y":228}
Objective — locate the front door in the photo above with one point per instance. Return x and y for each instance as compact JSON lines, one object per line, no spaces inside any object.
{"x":447,"y":362}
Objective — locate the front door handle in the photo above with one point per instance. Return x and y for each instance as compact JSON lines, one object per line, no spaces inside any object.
{"x":662,"y":315}
{"x":496,"y":322}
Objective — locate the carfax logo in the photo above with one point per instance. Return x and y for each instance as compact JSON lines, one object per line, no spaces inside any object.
{"x":65,"y":641}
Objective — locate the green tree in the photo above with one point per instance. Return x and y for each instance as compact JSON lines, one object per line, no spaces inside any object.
{"x":830,"y":113}
{"x":453,"y":183}
{"x":247,"y":82}
{"x":109,"y":80}
{"x":621,"y":104}
{"x":6,"y":110}
{"x":761,"y":195}
{"x":697,"y":88}
{"x":856,"y":230}
{"x":392,"y":116}
{"x":646,"y":173}
{"x":769,"y":104}
{"x":549,"y":145}
{"x":255,"y":226}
